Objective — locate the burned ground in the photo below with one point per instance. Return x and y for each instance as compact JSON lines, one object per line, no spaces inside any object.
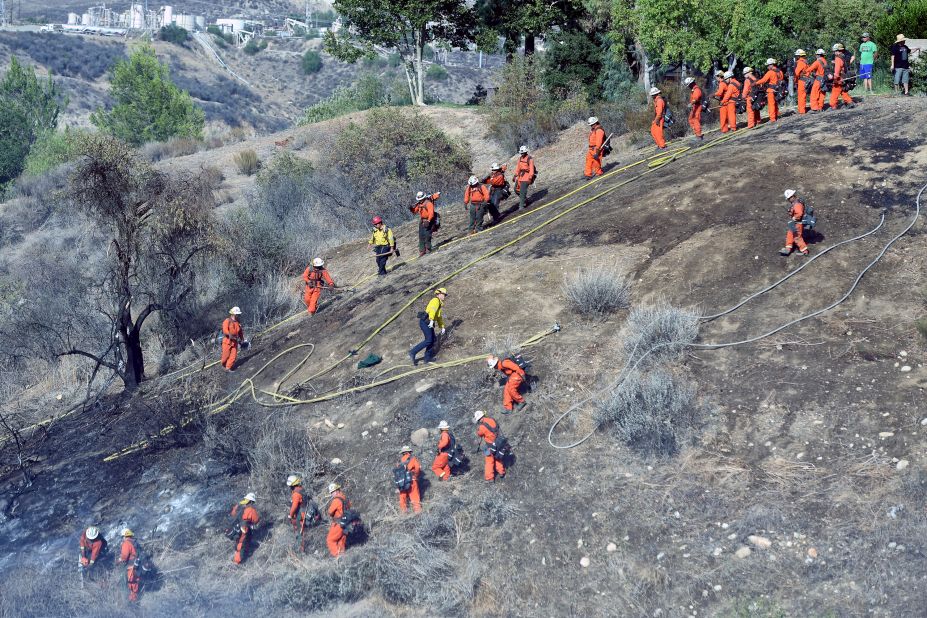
{"x":800,"y":444}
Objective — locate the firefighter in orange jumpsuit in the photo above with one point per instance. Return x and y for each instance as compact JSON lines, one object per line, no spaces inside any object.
{"x":315,"y":277}
{"x":487,"y":430}
{"x":337,"y":539}
{"x":247,"y":518}
{"x":442,"y":463}
{"x":233,"y":335}
{"x":515,"y":376}
{"x":794,"y":234}
{"x":476,"y":197}
{"x":801,"y":73}
{"x":659,"y":118}
{"x":837,"y":92}
{"x":128,"y":555}
{"x":753,"y":115}
{"x":771,"y":79}
{"x":497,"y":183}
{"x":301,"y":508}
{"x":729,"y":102}
{"x":424,"y":207}
{"x":719,"y":94}
{"x":91,"y":546}
{"x":412,"y":494}
{"x":696,"y":98}
{"x":524,"y":176}
{"x":596,"y":142}
{"x":817,"y":71}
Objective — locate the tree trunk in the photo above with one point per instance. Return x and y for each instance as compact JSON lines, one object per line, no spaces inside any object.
{"x":419,"y":98}
{"x":529,"y":44}
{"x":410,"y":79}
{"x":134,"y":371}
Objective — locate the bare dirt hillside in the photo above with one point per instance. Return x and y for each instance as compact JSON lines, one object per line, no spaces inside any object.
{"x":799,"y":492}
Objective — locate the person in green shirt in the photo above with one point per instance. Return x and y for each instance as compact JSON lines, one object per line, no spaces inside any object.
{"x":868,"y":52}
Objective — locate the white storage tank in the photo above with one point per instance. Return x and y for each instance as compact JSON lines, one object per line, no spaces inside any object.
{"x":187,"y":22}
{"x":167,"y":15}
{"x":73,"y":19}
{"x":200,"y":21}
{"x":85,"y":20}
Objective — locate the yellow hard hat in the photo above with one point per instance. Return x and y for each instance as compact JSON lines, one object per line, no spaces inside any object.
{"x":127,"y":532}
{"x":441,"y":291}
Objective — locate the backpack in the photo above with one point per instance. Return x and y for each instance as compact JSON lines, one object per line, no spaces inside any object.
{"x":142,"y":561}
{"x":500,"y":447}
{"x":402,"y":477}
{"x":781,"y":91}
{"x":454,"y":452}
{"x":808,"y":220}
{"x":534,"y":176}
{"x":740,"y":105}
{"x":668,"y":119}
{"x":350,"y":521}
{"x":436,"y":222}
{"x":505,"y":190}
{"x":519,"y":360}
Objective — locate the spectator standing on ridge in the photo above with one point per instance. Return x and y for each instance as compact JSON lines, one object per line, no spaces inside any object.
{"x":868,"y":52}
{"x":901,"y":63}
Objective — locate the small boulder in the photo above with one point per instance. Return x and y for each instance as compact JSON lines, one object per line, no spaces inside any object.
{"x":759,"y":541}
{"x":336,"y":462}
{"x":611,"y":547}
{"x":419,"y":437}
{"x":584,"y":562}
{"x":743,"y":552}
{"x":901,"y":465}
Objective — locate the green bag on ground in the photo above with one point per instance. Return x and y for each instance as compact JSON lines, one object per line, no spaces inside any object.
{"x":370,"y":361}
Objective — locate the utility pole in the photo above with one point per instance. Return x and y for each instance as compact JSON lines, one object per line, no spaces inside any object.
{"x":3,"y":14}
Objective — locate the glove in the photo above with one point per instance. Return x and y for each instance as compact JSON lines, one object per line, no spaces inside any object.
{"x":443,"y":331}
{"x":431,"y":324}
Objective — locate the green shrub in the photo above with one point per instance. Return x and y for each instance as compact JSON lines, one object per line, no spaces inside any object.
{"x":247,"y":162}
{"x":921,"y":325}
{"x":572,"y":62}
{"x":51,"y":149}
{"x":311,"y":62}
{"x":172,"y":33}
{"x":254,"y":46}
{"x":367,"y":92}
{"x":436,"y":72}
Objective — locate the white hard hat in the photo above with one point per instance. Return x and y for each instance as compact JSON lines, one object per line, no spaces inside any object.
{"x":405,"y":449}
{"x":92,"y":533}
{"x":748,"y":70}
{"x":789,"y":193}
{"x":820,"y":52}
{"x":654,"y":91}
{"x":250,"y":497}
{"x":443,"y":425}
{"x":293,"y":480}
{"x":770,"y":61}
{"x":592,"y":120}
{"x":719,"y":73}
{"x":688,"y":81}
{"x":837,"y":47}
{"x":318,"y":262}
{"x":478,"y":415}
{"x":728,"y":74}
{"x":333,"y":487}
{"x":491,"y":361}
{"x":800,"y":52}
{"x":496,"y":167}
{"x":523,"y":150}
{"x":235,"y":311}
{"x":473,"y":181}
{"x":420,"y":195}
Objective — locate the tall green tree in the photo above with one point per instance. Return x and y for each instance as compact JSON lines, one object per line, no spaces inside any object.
{"x":29,"y":107}
{"x":527,"y":19}
{"x":149,"y":106}
{"x":404,"y":26}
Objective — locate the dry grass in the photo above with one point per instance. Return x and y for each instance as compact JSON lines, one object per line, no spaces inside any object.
{"x":247,"y":162}
{"x":282,"y":447}
{"x":597,"y":291}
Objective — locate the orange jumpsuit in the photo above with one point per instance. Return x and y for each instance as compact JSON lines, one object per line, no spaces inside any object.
{"x":816,"y":70}
{"x":426,"y":212}
{"x":315,"y":279}
{"x":487,"y":430}
{"x":128,"y":554}
{"x":90,"y":550}
{"x":656,"y":126}
{"x":729,"y":103}
{"x":249,"y":519}
{"x":412,"y":494}
{"x":594,"y":154}
{"x":516,"y":375}
{"x":801,"y":71}
{"x":837,"y":93}
{"x":770,"y":80}
{"x":794,"y":235}
{"x":298,"y":515}
{"x":337,"y":540}
{"x":234,"y":334}
{"x":722,"y":111}
{"x":475,"y":199}
{"x":441,"y":465}
{"x":695,"y":114}
{"x":753,"y":115}
{"x":524,"y":171}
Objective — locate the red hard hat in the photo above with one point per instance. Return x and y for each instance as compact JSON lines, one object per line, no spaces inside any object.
{"x":377,"y":220}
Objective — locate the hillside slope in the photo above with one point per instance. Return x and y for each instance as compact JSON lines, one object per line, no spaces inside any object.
{"x":796,"y":457}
